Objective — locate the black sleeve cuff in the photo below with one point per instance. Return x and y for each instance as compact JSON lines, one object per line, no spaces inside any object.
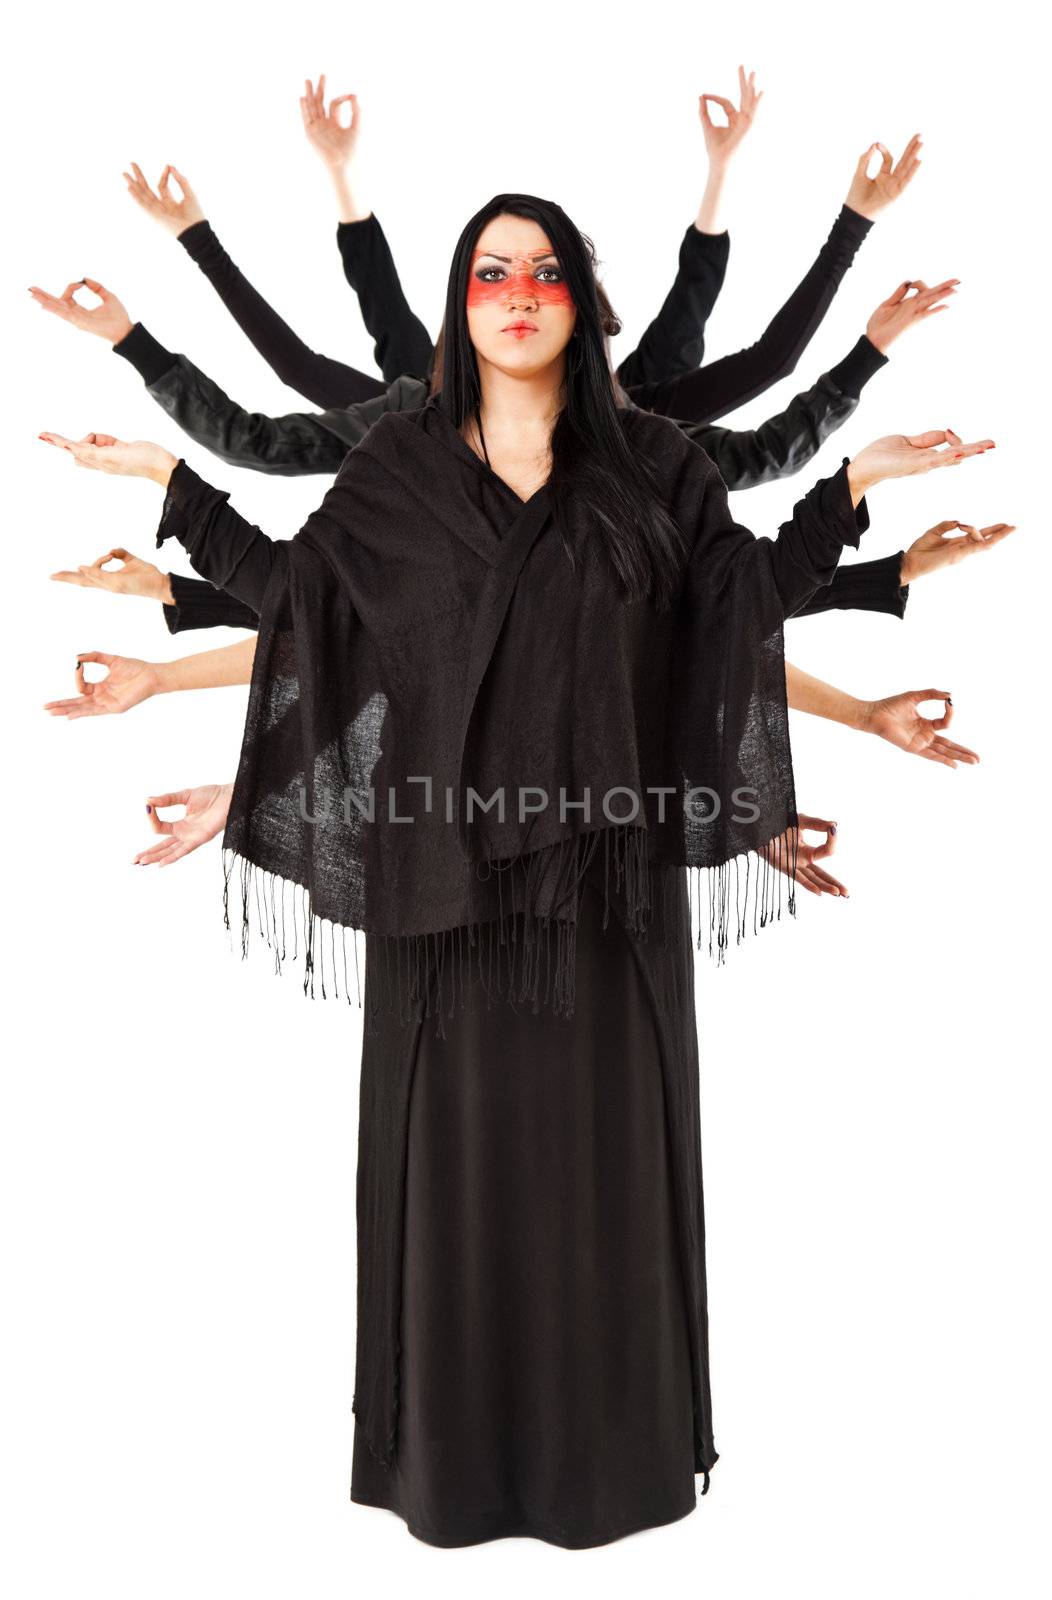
{"x":197,"y":239}
{"x":713,"y":246}
{"x":873,"y":586}
{"x":147,"y":355}
{"x":196,"y":604}
{"x":834,"y":500}
{"x":857,"y":367}
{"x":185,"y":496}
{"x":850,"y":223}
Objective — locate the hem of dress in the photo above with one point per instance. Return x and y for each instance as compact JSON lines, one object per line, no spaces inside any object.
{"x":525,"y":1530}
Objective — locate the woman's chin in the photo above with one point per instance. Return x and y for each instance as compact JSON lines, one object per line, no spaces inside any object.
{"x":522,"y":359}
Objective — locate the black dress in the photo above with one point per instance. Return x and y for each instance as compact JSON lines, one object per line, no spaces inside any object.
{"x":539,"y":1268}
{"x":532,"y":1346}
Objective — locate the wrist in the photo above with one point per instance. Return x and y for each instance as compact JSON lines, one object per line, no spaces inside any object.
{"x":121,"y":332}
{"x":160,"y":677}
{"x":160,"y":470}
{"x":906,"y":570}
{"x":859,"y":480}
{"x":165,"y":593}
{"x":860,"y":714}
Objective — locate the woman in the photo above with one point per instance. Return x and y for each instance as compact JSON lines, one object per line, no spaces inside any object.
{"x":521,"y":587}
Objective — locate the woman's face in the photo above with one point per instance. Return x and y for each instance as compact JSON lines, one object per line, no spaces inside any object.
{"x":520,"y":315}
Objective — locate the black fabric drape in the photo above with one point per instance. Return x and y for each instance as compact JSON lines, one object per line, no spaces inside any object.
{"x":400,"y":638}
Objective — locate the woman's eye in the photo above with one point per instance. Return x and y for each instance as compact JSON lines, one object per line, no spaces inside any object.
{"x":549,"y":275}
{"x":490,"y":274}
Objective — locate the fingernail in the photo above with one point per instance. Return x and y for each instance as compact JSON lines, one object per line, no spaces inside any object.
{"x":949,"y":699}
{"x":149,"y":809}
{"x":832,"y":827}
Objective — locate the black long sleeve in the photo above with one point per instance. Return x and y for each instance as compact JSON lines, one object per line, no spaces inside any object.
{"x":223,"y":547}
{"x":808,"y":547}
{"x":197,"y":604}
{"x":401,"y":343}
{"x":863,"y":586}
{"x":783,"y":444}
{"x":674,"y":343}
{"x":291,"y":445}
{"x":723,"y":385}
{"x":318,"y":378}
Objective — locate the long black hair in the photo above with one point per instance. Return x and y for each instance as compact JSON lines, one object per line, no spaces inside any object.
{"x":594,"y":470}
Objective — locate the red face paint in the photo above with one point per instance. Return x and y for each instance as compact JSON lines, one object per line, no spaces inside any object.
{"x":513,"y":279}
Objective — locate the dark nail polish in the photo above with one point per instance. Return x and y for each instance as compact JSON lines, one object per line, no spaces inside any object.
{"x":149,"y":808}
{"x":949,"y":700}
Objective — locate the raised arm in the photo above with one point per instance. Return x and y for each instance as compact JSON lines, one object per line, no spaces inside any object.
{"x":401,"y":343}
{"x":723,"y":385}
{"x":318,"y":378}
{"x":674,"y":343}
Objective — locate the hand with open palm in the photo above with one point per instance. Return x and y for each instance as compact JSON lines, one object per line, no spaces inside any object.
{"x":176,"y":212}
{"x":334,"y":140}
{"x":722,"y":142}
{"x":933,"y":550}
{"x":870,"y":196}
{"x":133,"y":576}
{"x":809,"y":875}
{"x":128,"y":682}
{"x":206,"y":814}
{"x":108,"y":320}
{"x":899,"y":720}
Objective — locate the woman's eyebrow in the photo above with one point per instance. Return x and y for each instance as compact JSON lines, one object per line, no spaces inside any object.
{"x":534,"y":255}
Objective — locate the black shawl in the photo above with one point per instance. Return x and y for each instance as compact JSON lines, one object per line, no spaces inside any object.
{"x":455,"y":713}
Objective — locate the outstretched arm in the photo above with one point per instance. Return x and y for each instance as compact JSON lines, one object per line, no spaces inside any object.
{"x":786,"y":442}
{"x":186,"y":602}
{"x":674,"y":343}
{"x":724,"y":385}
{"x":401,"y":343}
{"x":293,"y":444}
{"x":318,"y":378}
{"x":129,"y":681}
{"x":897,"y":718}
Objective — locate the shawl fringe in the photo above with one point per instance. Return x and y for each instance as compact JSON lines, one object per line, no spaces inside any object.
{"x":522,"y":956}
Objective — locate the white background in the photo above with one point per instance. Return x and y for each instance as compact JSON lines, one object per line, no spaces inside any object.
{"x":177,"y":1149}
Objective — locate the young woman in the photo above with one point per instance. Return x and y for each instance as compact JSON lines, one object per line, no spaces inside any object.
{"x":520,"y":589}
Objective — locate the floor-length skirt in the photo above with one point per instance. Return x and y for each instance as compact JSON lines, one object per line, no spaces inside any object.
{"x":531,"y":1272}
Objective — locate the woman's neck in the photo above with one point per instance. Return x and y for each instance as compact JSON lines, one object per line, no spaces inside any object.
{"x":521,"y":406}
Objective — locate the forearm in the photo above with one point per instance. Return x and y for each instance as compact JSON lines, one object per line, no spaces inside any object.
{"x":821,"y":699}
{"x":320,"y":379}
{"x":710,"y":218}
{"x":808,"y":547}
{"x":875,"y":586}
{"x":192,"y":603}
{"x":222,"y":545}
{"x":674,"y":342}
{"x":724,"y":385}
{"x":349,"y":207}
{"x":291,"y":445}
{"x":785,"y":443}
{"x":401,"y":343}
{"x":209,"y":669}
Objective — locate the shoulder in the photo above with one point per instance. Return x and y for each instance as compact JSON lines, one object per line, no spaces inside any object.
{"x":677,"y":459}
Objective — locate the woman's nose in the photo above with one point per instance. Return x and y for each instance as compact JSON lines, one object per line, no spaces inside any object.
{"x":521,"y":294}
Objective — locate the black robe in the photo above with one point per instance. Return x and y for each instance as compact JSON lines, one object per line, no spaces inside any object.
{"x":425,"y":580}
